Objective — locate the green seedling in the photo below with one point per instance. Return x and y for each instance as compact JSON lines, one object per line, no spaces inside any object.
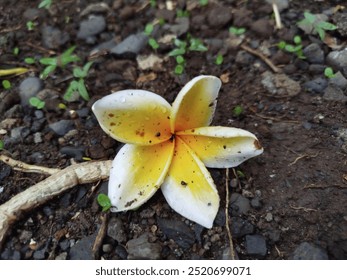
{"x":153,"y":43}
{"x":237,"y":30}
{"x":16,"y":51}
{"x":149,"y":29}
{"x":2,"y":145}
{"x":237,"y":111}
{"x":316,"y":25}
{"x":296,"y":49}
{"x":37,"y":103}
{"x":104,"y":201}
{"x":219,"y":59}
{"x":153,"y":3}
{"x":30,"y":25}
{"x":182,"y":47}
{"x":61,"y":61}
{"x":78,"y":85}
{"x":182,"y":13}
{"x":29,"y":60}
{"x":203,"y":2}
{"x":6,"y":84}
{"x":46,"y":4}
{"x":329,"y":72}
{"x":240,"y":174}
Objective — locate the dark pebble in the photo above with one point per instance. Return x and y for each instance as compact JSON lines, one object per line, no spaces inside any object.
{"x":115,"y":230}
{"x":240,"y":227}
{"x":40,"y":254}
{"x":73,"y":152}
{"x":256,"y":203}
{"x":309,"y":251}
{"x":239,"y":204}
{"x":62,"y":127}
{"x":220,"y":217}
{"x":256,"y":245}
{"x":262,"y":27}
{"x":64,"y":245}
{"x":97,"y":152}
{"x":5,"y":170}
{"x":178,"y":231}
{"x":316,"y":68}
{"x":219,"y":16}
{"x":141,"y":248}
{"x":314,"y":53}
{"x":121,"y":252}
{"x":317,"y":85}
{"x":82,"y":250}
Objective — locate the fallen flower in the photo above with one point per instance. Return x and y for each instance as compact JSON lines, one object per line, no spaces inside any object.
{"x":169,"y":147}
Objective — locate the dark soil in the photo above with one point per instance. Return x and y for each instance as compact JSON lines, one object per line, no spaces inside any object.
{"x":297,"y":187}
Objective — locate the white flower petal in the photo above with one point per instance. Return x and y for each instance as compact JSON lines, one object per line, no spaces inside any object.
{"x":189,"y":188}
{"x":134,"y":116}
{"x":221,"y":147}
{"x":137,"y":173}
{"x":195,"y":104}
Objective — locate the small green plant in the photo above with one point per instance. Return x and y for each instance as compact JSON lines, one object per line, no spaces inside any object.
{"x":182,"y":47}
{"x":315,"y":25}
{"x":29,"y":60}
{"x":16,"y":51}
{"x":6,"y":84}
{"x":30,"y":25}
{"x":237,"y":111}
{"x":53,"y":62}
{"x":203,"y":2}
{"x":151,"y":41}
{"x":182,"y":13}
{"x":104,"y":201}
{"x":219,"y":59}
{"x":78,"y":85}
{"x":296,"y":49}
{"x":237,"y":30}
{"x":153,"y":3}
{"x":37,"y":102}
{"x":45,"y":4}
{"x":149,"y":29}
{"x":2,"y":145}
{"x":329,"y":72}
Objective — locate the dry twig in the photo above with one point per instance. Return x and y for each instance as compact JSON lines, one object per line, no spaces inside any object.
{"x":303,"y":156}
{"x":232,"y":254}
{"x":36,"y":195}
{"x":303,"y":208}
{"x":262,"y":57}
{"x":101,"y":235}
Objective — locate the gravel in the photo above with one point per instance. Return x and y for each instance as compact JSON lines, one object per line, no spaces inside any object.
{"x":131,"y":45}
{"x":239,"y":204}
{"x":337,"y":59}
{"x":62,"y":127}
{"x":91,"y":26}
{"x":317,"y":85}
{"x":141,"y":248}
{"x":53,"y":38}
{"x":116,"y":230}
{"x":82,"y":250}
{"x":314,"y":53}
{"x":240,"y":227}
{"x":256,"y":245}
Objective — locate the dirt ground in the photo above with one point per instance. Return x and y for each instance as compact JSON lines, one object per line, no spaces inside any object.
{"x":294,"y":192}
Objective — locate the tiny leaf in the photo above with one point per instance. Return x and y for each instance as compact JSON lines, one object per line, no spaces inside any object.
{"x":104,"y":201}
{"x":179,"y":69}
{"x":29,"y":60}
{"x":6,"y":84}
{"x":83,"y":90}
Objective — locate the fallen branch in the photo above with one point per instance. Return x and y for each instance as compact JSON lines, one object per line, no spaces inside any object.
{"x":262,"y":57}
{"x":38,"y":194}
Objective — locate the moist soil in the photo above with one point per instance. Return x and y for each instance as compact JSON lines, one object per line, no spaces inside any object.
{"x":297,"y":188}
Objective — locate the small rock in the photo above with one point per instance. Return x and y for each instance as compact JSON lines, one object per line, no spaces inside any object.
{"x":31,"y":14}
{"x":40,"y":254}
{"x":262,"y":27}
{"x":107,"y":248}
{"x":131,"y":45}
{"x":8,"y":254}
{"x":28,"y":88}
{"x":274,"y":236}
{"x":62,"y":127}
{"x":53,"y":38}
{"x":256,"y":245}
{"x":64,"y":245}
{"x":242,"y":17}
{"x":280,"y":84}
{"x":338,"y":80}
{"x":97,"y":152}
{"x":37,"y":137}
{"x":334,"y":93}
{"x":256,"y":203}
{"x":178,"y":231}
{"x":314,"y":53}
{"x":115,"y":230}
{"x":316,"y":68}
{"x":91,"y":27}
{"x":19,"y":133}
{"x":239,"y":204}
{"x":337,"y":59}
{"x":309,"y":251}
{"x":268,"y":217}
{"x":95,"y":8}
{"x":219,"y":16}
{"x":121,"y":252}
{"x":181,"y":27}
{"x":5,"y":171}
{"x":25,"y":236}
{"x":317,"y":85}
{"x":240,"y":227}
{"x":82,"y":250}
{"x":140,"y":248}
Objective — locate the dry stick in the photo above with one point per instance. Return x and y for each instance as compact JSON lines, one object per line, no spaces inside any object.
{"x":101,"y":235}
{"x":277,"y":15}
{"x":36,"y":195}
{"x":261,"y":56}
{"x":232,"y":254}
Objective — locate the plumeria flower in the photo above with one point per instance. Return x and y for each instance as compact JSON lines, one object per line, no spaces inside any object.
{"x":169,"y":147}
